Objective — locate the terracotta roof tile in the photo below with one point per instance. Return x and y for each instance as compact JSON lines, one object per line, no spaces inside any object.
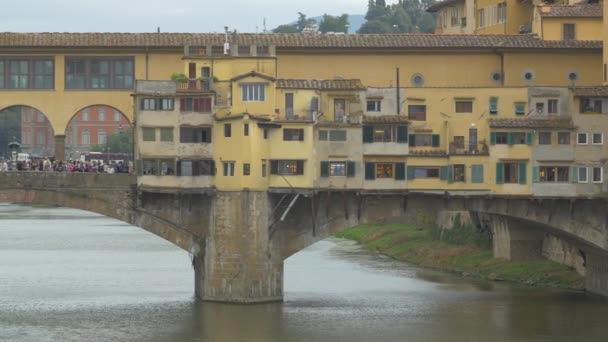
{"x":576,"y":10}
{"x":353,"y":84}
{"x":385,"y":119}
{"x":590,"y":91}
{"x":286,"y":40}
{"x":531,"y":123}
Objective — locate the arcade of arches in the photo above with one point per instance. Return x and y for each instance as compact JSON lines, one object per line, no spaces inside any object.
{"x":35,"y":135}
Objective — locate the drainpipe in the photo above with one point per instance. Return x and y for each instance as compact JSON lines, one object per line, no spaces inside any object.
{"x":502,"y":67}
{"x":147,"y":60}
{"x":398,"y":99}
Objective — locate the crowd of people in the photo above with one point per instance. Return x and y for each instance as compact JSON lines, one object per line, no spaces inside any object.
{"x":64,"y":166}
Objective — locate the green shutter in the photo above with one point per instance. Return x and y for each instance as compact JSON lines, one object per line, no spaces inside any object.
{"x":493,"y":105}
{"x":411,"y":172}
{"x":520,"y":109}
{"x":436,"y":140}
{"x":522,"y":172}
{"x":350,"y":169}
{"x":368,"y":134}
{"x":138,"y":167}
{"x":443,"y":173}
{"x":400,"y":171}
{"x":450,"y":173}
{"x":529,"y":137}
{"x":574,"y":173}
{"x":500,"y":173}
{"x":492,"y":138}
{"x":412,"y":140}
{"x":370,"y":171}
{"x":324,"y":169}
{"x":510,"y":138}
{"x":402,"y":134}
{"x":477,"y":174}
{"x":535,"y":174}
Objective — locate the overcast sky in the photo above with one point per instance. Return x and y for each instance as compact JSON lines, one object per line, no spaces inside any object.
{"x":169,"y":15}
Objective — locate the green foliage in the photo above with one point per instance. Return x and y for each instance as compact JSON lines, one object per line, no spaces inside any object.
{"x":178,"y":76}
{"x":334,"y":24}
{"x":406,"y":16}
{"x":286,"y":29}
{"x":120,"y":142}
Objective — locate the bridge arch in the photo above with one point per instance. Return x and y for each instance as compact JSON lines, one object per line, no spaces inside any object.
{"x":28,"y":126}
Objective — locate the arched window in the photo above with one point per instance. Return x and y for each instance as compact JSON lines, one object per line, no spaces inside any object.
{"x":86,"y":137}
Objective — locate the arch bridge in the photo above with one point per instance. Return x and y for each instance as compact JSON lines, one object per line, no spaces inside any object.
{"x":240,"y":239}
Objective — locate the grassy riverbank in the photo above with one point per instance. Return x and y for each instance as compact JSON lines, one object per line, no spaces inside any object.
{"x":421,"y":247}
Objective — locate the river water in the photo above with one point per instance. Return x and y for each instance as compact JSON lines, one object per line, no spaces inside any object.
{"x":68,"y":275}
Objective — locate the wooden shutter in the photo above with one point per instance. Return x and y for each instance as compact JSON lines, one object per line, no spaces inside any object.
{"x":492,"y":138}
{"x":368,"y":134}
{"x":529,"y":137}
{"x":182,"y":104}
{"x":412,"y":140}
{"x":206,"y":104}
{"x":370,"y":171}
{"x":350,"y":169}
{"x":477,"y":174}
{"x":500,"y":173}
{"x":443,"y":173}
{"x":411,"y":172}
{"x":196,"y":104}
{"x":450,"y":173}
{"x":535,"y":174}
{"x":436,"y":140}
{"x":400,"y":171}
{"x":510,"y":138}
{"x":324,"y":169}
{"x":402,"y":134}
{"x":522,"y":172}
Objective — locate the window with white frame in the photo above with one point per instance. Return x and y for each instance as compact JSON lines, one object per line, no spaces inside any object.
{"x":582,"y":175}
{"x":582,"y":139}
{"x":253,"y":92}
{"x":228,"y":169}
{"x":101,"y":137}
{"x":597,"y":138}
{"x":116,"y":116}
{"x":597,"y":175}
{"x":101,"y":115}
{"x":374,"y":106}
{"x":41,"y":138}
{"x":85,"y":115}
{"x":86,"y":137}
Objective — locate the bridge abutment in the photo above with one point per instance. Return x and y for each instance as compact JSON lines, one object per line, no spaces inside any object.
{"x":513,"y":240}
{"x":237,"y":262}
{"x":596,"y":276}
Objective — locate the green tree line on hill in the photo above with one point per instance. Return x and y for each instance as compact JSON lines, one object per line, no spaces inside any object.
{"x":405,"y":16}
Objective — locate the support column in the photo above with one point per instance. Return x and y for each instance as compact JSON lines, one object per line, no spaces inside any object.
{"x":596,"y":274}
{"x":515,"y":241}
{"x":60,"y":147}
{"x":238,"y":263}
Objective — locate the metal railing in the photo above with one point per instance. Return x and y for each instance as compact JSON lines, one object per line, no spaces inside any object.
{"x":467,"y":148}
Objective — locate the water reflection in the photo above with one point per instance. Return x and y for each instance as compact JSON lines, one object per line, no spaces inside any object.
{"x":74,"y":276}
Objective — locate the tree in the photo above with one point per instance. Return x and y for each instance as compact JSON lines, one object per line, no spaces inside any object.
{"x":334,"y":24}
{"x":286,"y":29}
{"x":375,"y":26}
{"x":404,"y":16}
{"x":119,"y":142}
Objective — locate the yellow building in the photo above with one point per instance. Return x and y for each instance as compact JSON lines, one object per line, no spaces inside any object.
{"x":582,"y":21}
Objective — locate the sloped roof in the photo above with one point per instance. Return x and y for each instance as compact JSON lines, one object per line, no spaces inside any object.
{"x":590,"y":91}
{"x":576,"y":10}
{"x":531,"y":123}
{"x":286,"y":40}
{"x":385,"y":119}
{"x":441,"y":4}
{"x":352,"y":84}
{"x":253,"y":73}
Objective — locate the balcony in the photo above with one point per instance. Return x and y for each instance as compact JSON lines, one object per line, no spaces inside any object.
{"x":190,"y":86}
{"x":465,"y":148}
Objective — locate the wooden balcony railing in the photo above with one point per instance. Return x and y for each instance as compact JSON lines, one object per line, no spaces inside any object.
{"x":466,"y":148}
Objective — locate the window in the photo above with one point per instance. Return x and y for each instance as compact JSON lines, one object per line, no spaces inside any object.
{"x":194,"y":134}
{"x":101,"y":114}
{"x":502,"y":138}
{"x":228,"y":169}
{"x":553,"y":174}
{"x":40,"y":117}
{"x":423,"y":140}
{"x":383,"y":133}
{"x":520,"y":109}
{"x":385,"y":170}
{"x":416,"y":112}
{"x":42,"y":138}
{"x":582,"y":175}
{"x":164,"y":103}
{"x":293,"y":134}
{"x":227,"y":130}
{"x":264,"y":167}
{"x":203,"y":167}
{"x":540,"y":107}
{"x":246,"y":129}
{"x":117,"y":116}
{"x":597,"y":138}
{"x":544,"y":138}
{"x":337,"y":135}
{"x":511,"y":172}
{"x":27,"y":73}
{"x":149,"y":167}
{"x":518,"y":138}
{"x":167,"y":167}
{"x":101,"y":137}
{"x":597,"y":175}
{"x":481,"y":15}
{"x":337,"y":168}
{"x":493,"y":105}
{"x":85,"y":115}
{"x":552,"y":106}
{"x":568,"y":31}
{"x":458,"y":173}
{"x":323,"y":135}
{"x":244,"y":50}
{"x":166,"y":134}
{"x":86,"y":137}
{"x":464,"y":106}
{"x":195,"y":104}
{"x":581,"y":139}
{"x":99,"y":73}
{"x":426,"y":172}
{"x":253,"y":92}
{"x":502,"y":13}
{"x":287,"y":167}
{"x":374,"y":106}
{"x":563,"y":138}
{"x":148,"y":134}
{"x":246,"y":169}
{"x":591,"y":105}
